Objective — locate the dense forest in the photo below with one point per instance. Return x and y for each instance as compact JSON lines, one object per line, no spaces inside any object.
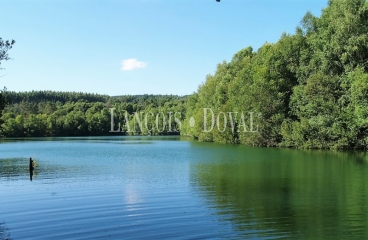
{"x":307,"y":90}
{"x":47,"y":113}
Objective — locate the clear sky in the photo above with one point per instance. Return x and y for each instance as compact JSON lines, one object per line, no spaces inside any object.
{"x":119,"y":47}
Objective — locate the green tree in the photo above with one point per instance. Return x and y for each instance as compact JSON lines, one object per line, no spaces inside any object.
{"x":5,"y":46}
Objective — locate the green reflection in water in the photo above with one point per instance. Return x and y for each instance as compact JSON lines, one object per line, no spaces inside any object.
{"x":14,"y":167}
{"x":286,"y":193}
{"x":18,"y":169}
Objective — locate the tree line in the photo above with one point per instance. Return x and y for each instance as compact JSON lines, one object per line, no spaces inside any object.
{"x":47,"y":113}
{"x":310,"y":87}
{"x":307,"y":90}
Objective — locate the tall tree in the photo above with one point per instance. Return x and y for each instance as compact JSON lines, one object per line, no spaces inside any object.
{"x":5,"y":46}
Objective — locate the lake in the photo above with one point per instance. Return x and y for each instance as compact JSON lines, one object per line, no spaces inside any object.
{"x":176,"y":188}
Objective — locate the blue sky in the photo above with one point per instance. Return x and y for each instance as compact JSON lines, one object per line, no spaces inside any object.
{"x":119,"y":47}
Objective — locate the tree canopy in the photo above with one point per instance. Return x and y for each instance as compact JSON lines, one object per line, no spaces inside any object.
{"x":48,"y":113}
{"x":310,"y":88}
{"x":5,"y":46}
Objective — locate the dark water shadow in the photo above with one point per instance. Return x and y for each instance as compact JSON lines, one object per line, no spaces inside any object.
{"x":283,"y":193}
{"x":4,"y":232}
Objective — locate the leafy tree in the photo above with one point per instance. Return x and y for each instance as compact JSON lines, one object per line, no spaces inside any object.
{"x":310,"y":87}
{"x":5,"y":46}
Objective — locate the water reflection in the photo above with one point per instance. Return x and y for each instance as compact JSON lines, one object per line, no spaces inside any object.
{"x":16,"y":168}
{"x":286,"y":193}
{"x":30,"y":174}
{"x":4,"y":234}
{"x":13,"y":167}
{"x":94,"y":139}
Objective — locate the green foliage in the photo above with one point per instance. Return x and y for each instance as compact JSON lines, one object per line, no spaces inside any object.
{"x":308,"y":90}
{"x":47,"y":113}
{"x":5,"y":46}
{"x":53,"y":97}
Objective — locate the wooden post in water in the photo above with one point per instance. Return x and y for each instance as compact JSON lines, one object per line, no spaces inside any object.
{"x":31,"y":167}
{"x":30,"y":164}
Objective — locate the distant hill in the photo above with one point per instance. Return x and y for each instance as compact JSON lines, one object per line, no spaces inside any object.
{"x":63,"y":97}
{"x":53,"y":96}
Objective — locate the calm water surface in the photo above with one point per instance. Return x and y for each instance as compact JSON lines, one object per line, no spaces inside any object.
{"x":172,"y":188}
